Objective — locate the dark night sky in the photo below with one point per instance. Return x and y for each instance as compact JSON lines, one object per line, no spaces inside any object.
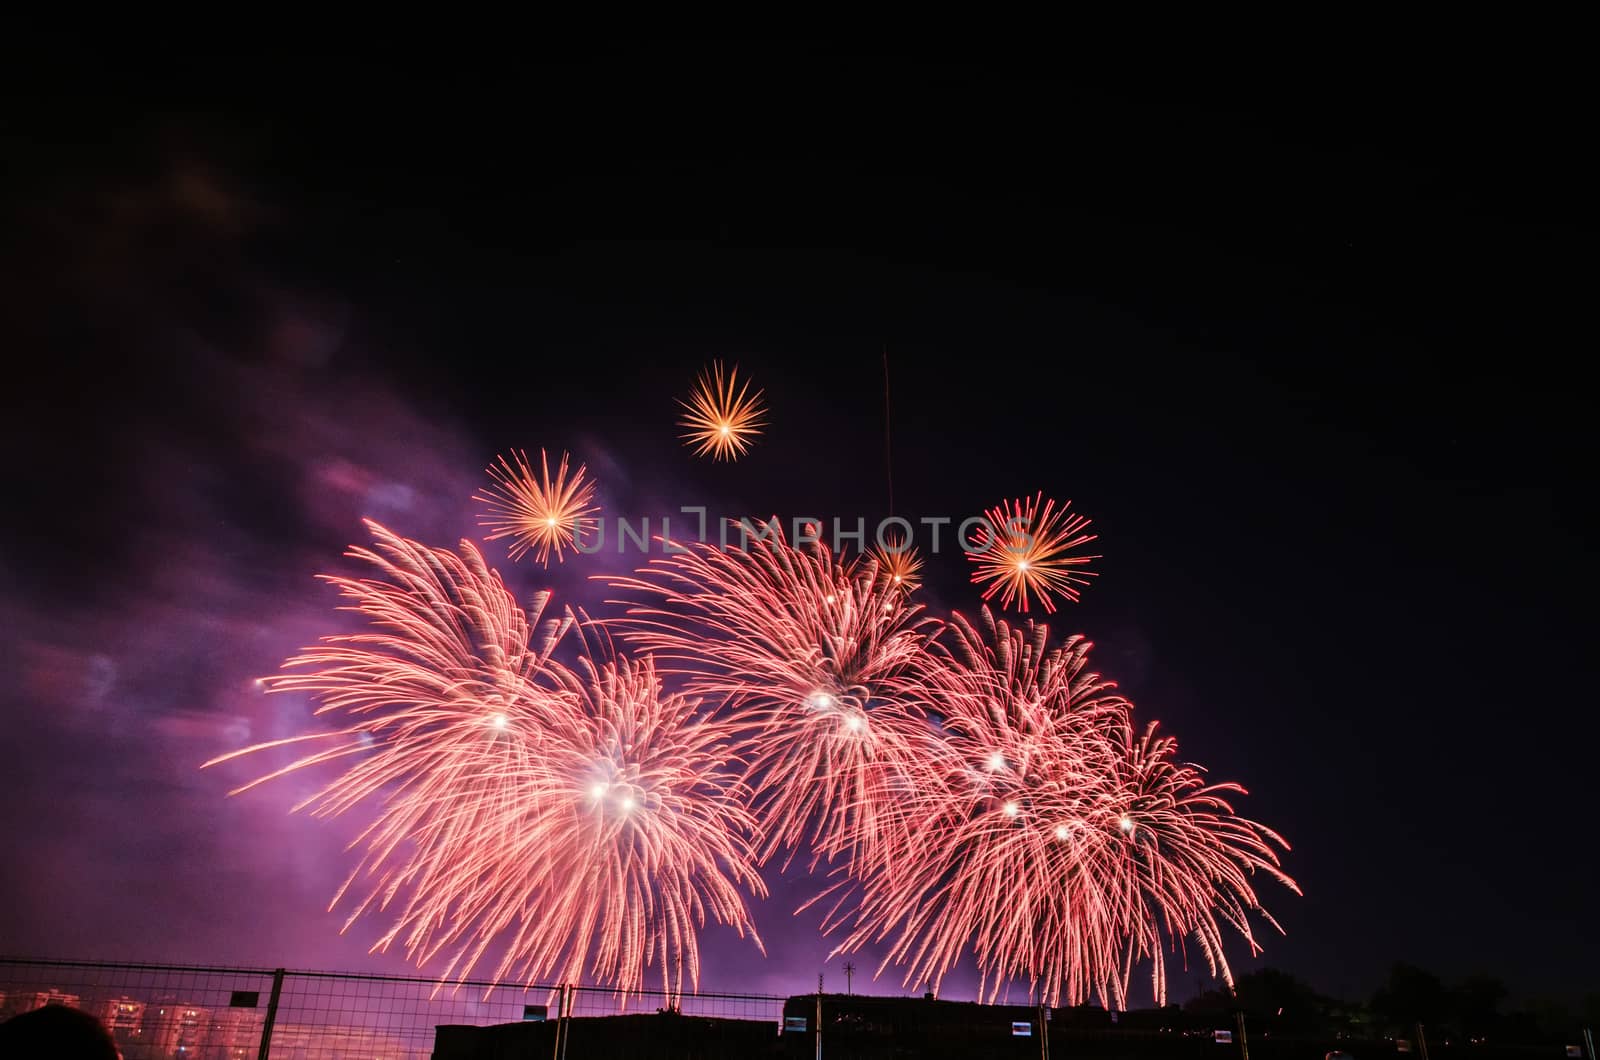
{"x":1299,"y":340}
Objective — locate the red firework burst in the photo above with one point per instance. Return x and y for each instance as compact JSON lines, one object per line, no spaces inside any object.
{"x":1022,"y":549}
{"x":537,"y":512}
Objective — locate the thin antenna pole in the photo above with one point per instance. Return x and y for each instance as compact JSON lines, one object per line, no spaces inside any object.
{"x":888,"y":450}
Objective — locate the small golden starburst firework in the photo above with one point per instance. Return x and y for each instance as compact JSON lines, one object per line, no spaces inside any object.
{"x":537,"y":512}
{"x":899,"y":566}
{"x":721,"y":417}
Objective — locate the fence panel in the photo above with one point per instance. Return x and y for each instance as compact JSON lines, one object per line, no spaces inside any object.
{"x":186,"y":1012}
{"x":154,"y":1011}
{"x":327,"y":1015}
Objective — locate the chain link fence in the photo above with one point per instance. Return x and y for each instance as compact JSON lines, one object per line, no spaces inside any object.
{"x":185,"y":1012}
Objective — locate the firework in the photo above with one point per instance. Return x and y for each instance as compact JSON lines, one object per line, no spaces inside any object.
{"x":721,"y":417}
{"x":1022,"y":549}
{"x":580,"y":817}
{"x":1184,"y":855}
{"x":642,"y":831}
{"x":537,"y":512}
{"x":1030,"y":748}
{"x":973,"y":787}
{"x":899,"y":566}
{"x":1056,"y":846}
{"x":820,"y":669}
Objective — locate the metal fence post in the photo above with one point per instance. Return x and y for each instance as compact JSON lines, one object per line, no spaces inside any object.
{"x":1044,"y":1034}
{"x":1588,"y":1043}
{"x":560,"y":1047}
{"x":1244,"y":1041}
{"x":819,"y":1023}
{"x":561,"y":1008}
{"x":570,"y":1004}
{"x":272,"y":1015}
{"x":1422,"y":1042}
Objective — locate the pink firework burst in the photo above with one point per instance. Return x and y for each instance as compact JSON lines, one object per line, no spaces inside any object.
{"x":1024,"y":548}
{"x":820,"y":667}
{"x":1184,"y":858}
{"x":581,"y":819}
{"x":1040,"y":845}
{"x":643,"y":831}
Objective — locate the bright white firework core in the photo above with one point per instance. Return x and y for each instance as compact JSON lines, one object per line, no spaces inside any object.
{"x":1011,"y":809}
{"x":498,"y":721}
{"x":997,"y":762}
{"x":1125,"y":823}
{"x":598,"y":791}
{"x":1062,"y":832}
{"x":820,"y":701}
{"x":627,"y":802}
{"x":854,"y":723}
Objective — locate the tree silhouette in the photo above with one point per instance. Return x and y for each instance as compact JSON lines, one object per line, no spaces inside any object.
{"x":1412,"y":995}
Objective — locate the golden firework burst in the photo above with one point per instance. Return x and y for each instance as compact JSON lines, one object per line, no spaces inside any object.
{"x":1022,"y":548}
{"x":721,"y":418}
{"x":899,"y":565}
{"x":537,"y":512}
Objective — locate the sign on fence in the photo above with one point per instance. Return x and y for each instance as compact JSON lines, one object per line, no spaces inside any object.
{"x":535,"y":1013}
{"x":796,"y":1024}
{"x":1021,"y":1029}
{"x":1223,"y":1037}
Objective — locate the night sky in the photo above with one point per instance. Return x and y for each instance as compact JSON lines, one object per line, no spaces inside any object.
{"x":1298,"y":340}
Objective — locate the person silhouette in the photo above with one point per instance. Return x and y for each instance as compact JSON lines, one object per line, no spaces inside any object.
{"x":56,"y":1031}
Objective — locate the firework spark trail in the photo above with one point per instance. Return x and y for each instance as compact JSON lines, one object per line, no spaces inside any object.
{"x":721,"y":418}
{"x":580,"y":816}
{"x":537,"y":512}
{"x":1060,"y":848}
{"x":821,"y":669}
{"x":1022,"y":549}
